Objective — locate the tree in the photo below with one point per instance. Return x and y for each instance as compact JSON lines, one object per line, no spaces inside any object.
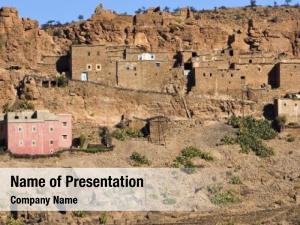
{"x":176,"y":9}
{"x":140,"y":10}
{"x":287,"y":2}
{"x":252,"y":3}
{"x":193,"y":9}
{"x":80,"y":17}
{"x":166,"y":9}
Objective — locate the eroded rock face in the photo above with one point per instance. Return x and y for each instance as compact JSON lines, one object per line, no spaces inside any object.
{"x":22,"y":42}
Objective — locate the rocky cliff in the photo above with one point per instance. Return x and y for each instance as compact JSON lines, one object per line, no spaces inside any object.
{"x":274,"y":29}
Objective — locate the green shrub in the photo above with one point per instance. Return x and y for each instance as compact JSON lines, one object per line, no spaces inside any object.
{"x":251,"y":133}
{"x":25,"y":105}
{"x":124,"y":134}
{"x":139,"y":159}
{"x":62,"y":81}
{"x":184,"y":159}
{"x":290,"y":138}
{"x":18,"y":106}
{"x":228,"y":140}
{"x":214,"y":189}
{"x":13,"y":221}
{"x":224,"y":198}
{"x":235,"y":180}
{"x":103,"y":219}
{"x":79,"y":214}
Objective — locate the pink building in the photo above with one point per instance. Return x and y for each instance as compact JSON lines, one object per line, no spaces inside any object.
{"x":35,"y":133}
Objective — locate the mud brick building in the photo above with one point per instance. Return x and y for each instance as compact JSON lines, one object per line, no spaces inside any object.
{"x":121,"y":66}
{"x":35,"y":133}
{"x":288,"y":107}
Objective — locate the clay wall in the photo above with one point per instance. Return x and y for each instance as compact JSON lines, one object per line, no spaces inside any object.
{"x":143,"y":75}
{"x":92,"y":63}
{"x":290,"y":108}
{"x":288,"y":76}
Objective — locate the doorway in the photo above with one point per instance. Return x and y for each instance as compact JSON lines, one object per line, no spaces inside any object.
{"x":84,"y":76}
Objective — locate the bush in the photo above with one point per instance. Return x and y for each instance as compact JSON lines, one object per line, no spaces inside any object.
{"x":224,"y":198}
{"x":18,"y":106}
{"x":25,"y":105}
{"x":62,"y":81}
{"x":290,"y":138}
{"x":184,"y":159}
{"x":251,"y":133}
{"x":79,"y":214}
{"x":125,"y":133}
{"x":228,"y":140}
{"x":13,"y":221}
{"x":103,"y":219}
{"x":235,"y":180}
{"x":139,"y":159}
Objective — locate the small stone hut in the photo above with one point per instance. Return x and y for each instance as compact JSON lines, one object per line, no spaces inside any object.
{"x":158,"y":127}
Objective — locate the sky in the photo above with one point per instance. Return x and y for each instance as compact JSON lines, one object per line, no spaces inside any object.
{"x":68,"y":10}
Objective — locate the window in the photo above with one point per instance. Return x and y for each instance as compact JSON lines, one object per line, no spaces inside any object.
{"x":250,"y":61}
{"x":210,"y":74}
{"x":231,"y":75}
{"x":34,"y":129}
{"x":51,"y":129}
{"x":89,"y":53}
{"x":65,"y":124}
{"x":204,"y":74}
{"x":98,"y":53}
{"x":65,"y":137}
{"x":21,"y":143}
{"x":284,"y":104}
{"x":98,"y":67}
{"x":51,"y":142}
{"x":89,"y":67}
{"x":20,"y":129}
{"x":158,"y":65}
{"x":33,"y":143}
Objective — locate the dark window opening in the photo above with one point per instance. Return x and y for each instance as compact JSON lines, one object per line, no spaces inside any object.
{"x":231,"y":75}
{"x":158,"y":65}
{"x":204,"y":74}
{"x":89,"y":54}
{"x":188,"y":66}
{"x":45,"y":84}
{"x":98,"y":53}
{"x":194,"y":54}
{"x":243,"y":78}
{"x":231,"y":52}
{"x":210,"y":74}
{"x":250,"y":61}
